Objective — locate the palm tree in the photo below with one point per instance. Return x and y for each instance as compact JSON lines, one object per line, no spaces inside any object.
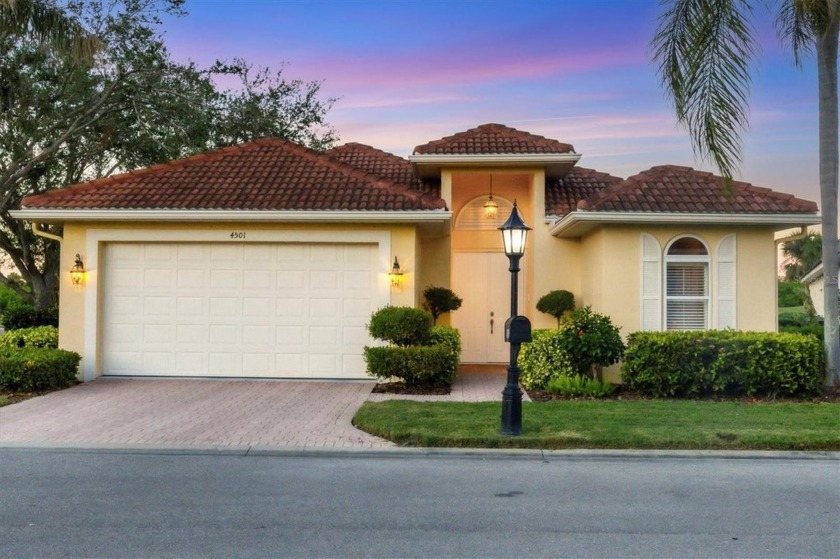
{"x":44,"y":22}
{"x":704,"y":49}
{"x":802,"y":255}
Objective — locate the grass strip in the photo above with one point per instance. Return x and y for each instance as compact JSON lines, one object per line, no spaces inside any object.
{"x":609,"y":424}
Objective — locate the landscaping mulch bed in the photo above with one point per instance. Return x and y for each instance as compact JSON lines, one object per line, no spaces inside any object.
{"x":403,"y":388}
{"x":8,"y":398}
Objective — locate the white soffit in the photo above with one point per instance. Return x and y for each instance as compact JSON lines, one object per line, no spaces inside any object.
{"x":575,"y":224}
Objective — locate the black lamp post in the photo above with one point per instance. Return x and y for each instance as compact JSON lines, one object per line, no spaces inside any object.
{"x":517,"y":328}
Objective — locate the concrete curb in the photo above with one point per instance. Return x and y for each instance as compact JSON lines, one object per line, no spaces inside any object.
{"x":404,"y":452}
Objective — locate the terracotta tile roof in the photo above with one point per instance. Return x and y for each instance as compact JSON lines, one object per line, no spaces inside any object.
{"x":562,"y":195}
{"x":671,"y":188}
{"x":492,"y":139}
{"x":383,"y":165}
{"x":267,"y":174}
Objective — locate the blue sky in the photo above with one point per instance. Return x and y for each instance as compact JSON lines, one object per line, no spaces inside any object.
{"x":406,"y":72}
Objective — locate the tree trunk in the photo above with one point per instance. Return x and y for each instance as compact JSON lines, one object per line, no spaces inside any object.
{"x":828,"y":131}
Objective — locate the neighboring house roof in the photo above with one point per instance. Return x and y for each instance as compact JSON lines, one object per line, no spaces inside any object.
{"x":562,"y":195}
{"x":266,"y":174}
{"x":493,"y":139}
{"x":815,"y":273}
{"x":383,"y":165}
{"x":676,"y":189}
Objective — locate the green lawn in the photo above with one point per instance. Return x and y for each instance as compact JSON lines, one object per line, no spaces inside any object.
{"x":642,"y":424}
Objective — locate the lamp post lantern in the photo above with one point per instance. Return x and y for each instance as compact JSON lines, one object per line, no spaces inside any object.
{"x":517,"y":328}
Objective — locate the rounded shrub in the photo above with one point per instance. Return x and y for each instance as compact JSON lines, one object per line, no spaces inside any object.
{"x":590,"y":339}
{"x":27,"y":316}
{"x":35,"y":369}
{"x":403,"y":326}
{"x":543,"y":358}
{"x":556,"y":303}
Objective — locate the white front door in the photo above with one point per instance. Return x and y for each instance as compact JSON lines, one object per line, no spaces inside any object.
{"x":482,"y":280}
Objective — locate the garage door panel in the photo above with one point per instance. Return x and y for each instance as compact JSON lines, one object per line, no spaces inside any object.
{"x":274,"y":310}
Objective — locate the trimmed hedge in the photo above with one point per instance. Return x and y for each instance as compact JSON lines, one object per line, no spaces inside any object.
{"x":725,"y":362}
{"x":404,"y":326}
{"x":422,"y":365}
{"x":39,"y":336}
{"x":34,"y":369}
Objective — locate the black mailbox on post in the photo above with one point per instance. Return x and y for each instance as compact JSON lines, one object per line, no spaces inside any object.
{"x":517,"y":330}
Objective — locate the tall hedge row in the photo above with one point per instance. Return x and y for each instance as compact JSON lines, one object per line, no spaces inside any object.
{"x":708,"y":363}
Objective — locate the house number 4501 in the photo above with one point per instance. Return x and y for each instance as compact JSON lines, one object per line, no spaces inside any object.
{"x":237,"y":235}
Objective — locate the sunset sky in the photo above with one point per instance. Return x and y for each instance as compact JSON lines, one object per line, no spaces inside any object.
{"x":406,"y":72}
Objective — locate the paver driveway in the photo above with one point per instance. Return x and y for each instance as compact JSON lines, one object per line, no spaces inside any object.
{"x":178,"y":413}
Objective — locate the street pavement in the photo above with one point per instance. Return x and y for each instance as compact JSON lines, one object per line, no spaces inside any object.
{"x":121,"y":504}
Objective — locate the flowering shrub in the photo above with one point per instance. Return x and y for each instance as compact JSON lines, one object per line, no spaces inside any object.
{"x":590,"y":339}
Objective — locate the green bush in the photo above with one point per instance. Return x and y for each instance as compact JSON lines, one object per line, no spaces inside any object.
{"x":812,"y":329}
{"x":793,"y":293}
{"x":576,"y":386}
{"x":697,"y":364}
{"x":439,"y":300}
{"x":40,"y":336}
{"x":590,"y":339}
{"x":543,"y":358}
{"x":403,"y":326}
{"x":9,"y":298}
{"x":27,"y":316}
{"x":431,"y":365}
{"x":556,"y":303}
{"x":33,"y":369}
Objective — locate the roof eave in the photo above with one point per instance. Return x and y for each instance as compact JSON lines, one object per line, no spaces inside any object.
{"x":429,"y":165}
{"x":577,"y":223}
{"x":300,"y":216}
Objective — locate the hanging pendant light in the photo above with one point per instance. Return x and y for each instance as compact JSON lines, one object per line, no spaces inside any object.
{"x":491,"y":208}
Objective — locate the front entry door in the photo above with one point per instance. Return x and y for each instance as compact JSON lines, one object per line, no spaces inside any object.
{"x":482,"y":280}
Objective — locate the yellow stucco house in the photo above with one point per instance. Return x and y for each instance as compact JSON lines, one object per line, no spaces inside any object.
{"x":267,"y":259}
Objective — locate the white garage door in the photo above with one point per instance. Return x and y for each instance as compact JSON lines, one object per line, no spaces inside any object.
{"x":237,"y":310}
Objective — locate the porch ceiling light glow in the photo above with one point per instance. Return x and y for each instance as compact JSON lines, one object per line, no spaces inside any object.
{"x":491,"y":208}
{"x":77,"y":272}
{"x":514,"y":233}
{"x":396,"y":273}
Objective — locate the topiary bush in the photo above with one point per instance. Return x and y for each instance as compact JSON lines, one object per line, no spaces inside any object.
{"x":431,"y":365}
{"x":556,"y":303}
{"x":27,"y":316}
{"x":727,"y":362}
{"x":439,"y":300}
{"x":40,"y":336}
{"x":33,"y":369}
{"x":403,"y":326}
{"x":542,"y":358}
{"x":590,"y":339}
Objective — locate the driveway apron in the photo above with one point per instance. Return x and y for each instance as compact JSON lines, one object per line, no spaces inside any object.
{"x":175,"y":412}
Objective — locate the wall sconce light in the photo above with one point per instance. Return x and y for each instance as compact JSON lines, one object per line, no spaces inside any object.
{"x":77,"y":272}
{"x":491,"y":208}
{"x":395,"y":274}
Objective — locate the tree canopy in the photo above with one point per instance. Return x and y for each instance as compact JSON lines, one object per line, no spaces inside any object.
{"x":66,"y":119}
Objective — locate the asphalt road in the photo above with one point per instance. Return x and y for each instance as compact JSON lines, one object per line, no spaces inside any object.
{"x":75,"y":503}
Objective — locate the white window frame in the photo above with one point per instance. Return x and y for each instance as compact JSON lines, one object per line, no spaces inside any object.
{"x":706,"y":260}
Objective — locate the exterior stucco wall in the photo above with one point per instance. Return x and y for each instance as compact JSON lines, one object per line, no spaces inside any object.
{"x":75,"y":332}
{"x":611,"y":272}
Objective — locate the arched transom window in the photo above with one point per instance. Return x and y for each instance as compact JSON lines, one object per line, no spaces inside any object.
{"x":473,"y":216}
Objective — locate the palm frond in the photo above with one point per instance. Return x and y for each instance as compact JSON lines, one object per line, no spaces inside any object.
{"x":45,"y":23}
{"x":703,"y":50}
